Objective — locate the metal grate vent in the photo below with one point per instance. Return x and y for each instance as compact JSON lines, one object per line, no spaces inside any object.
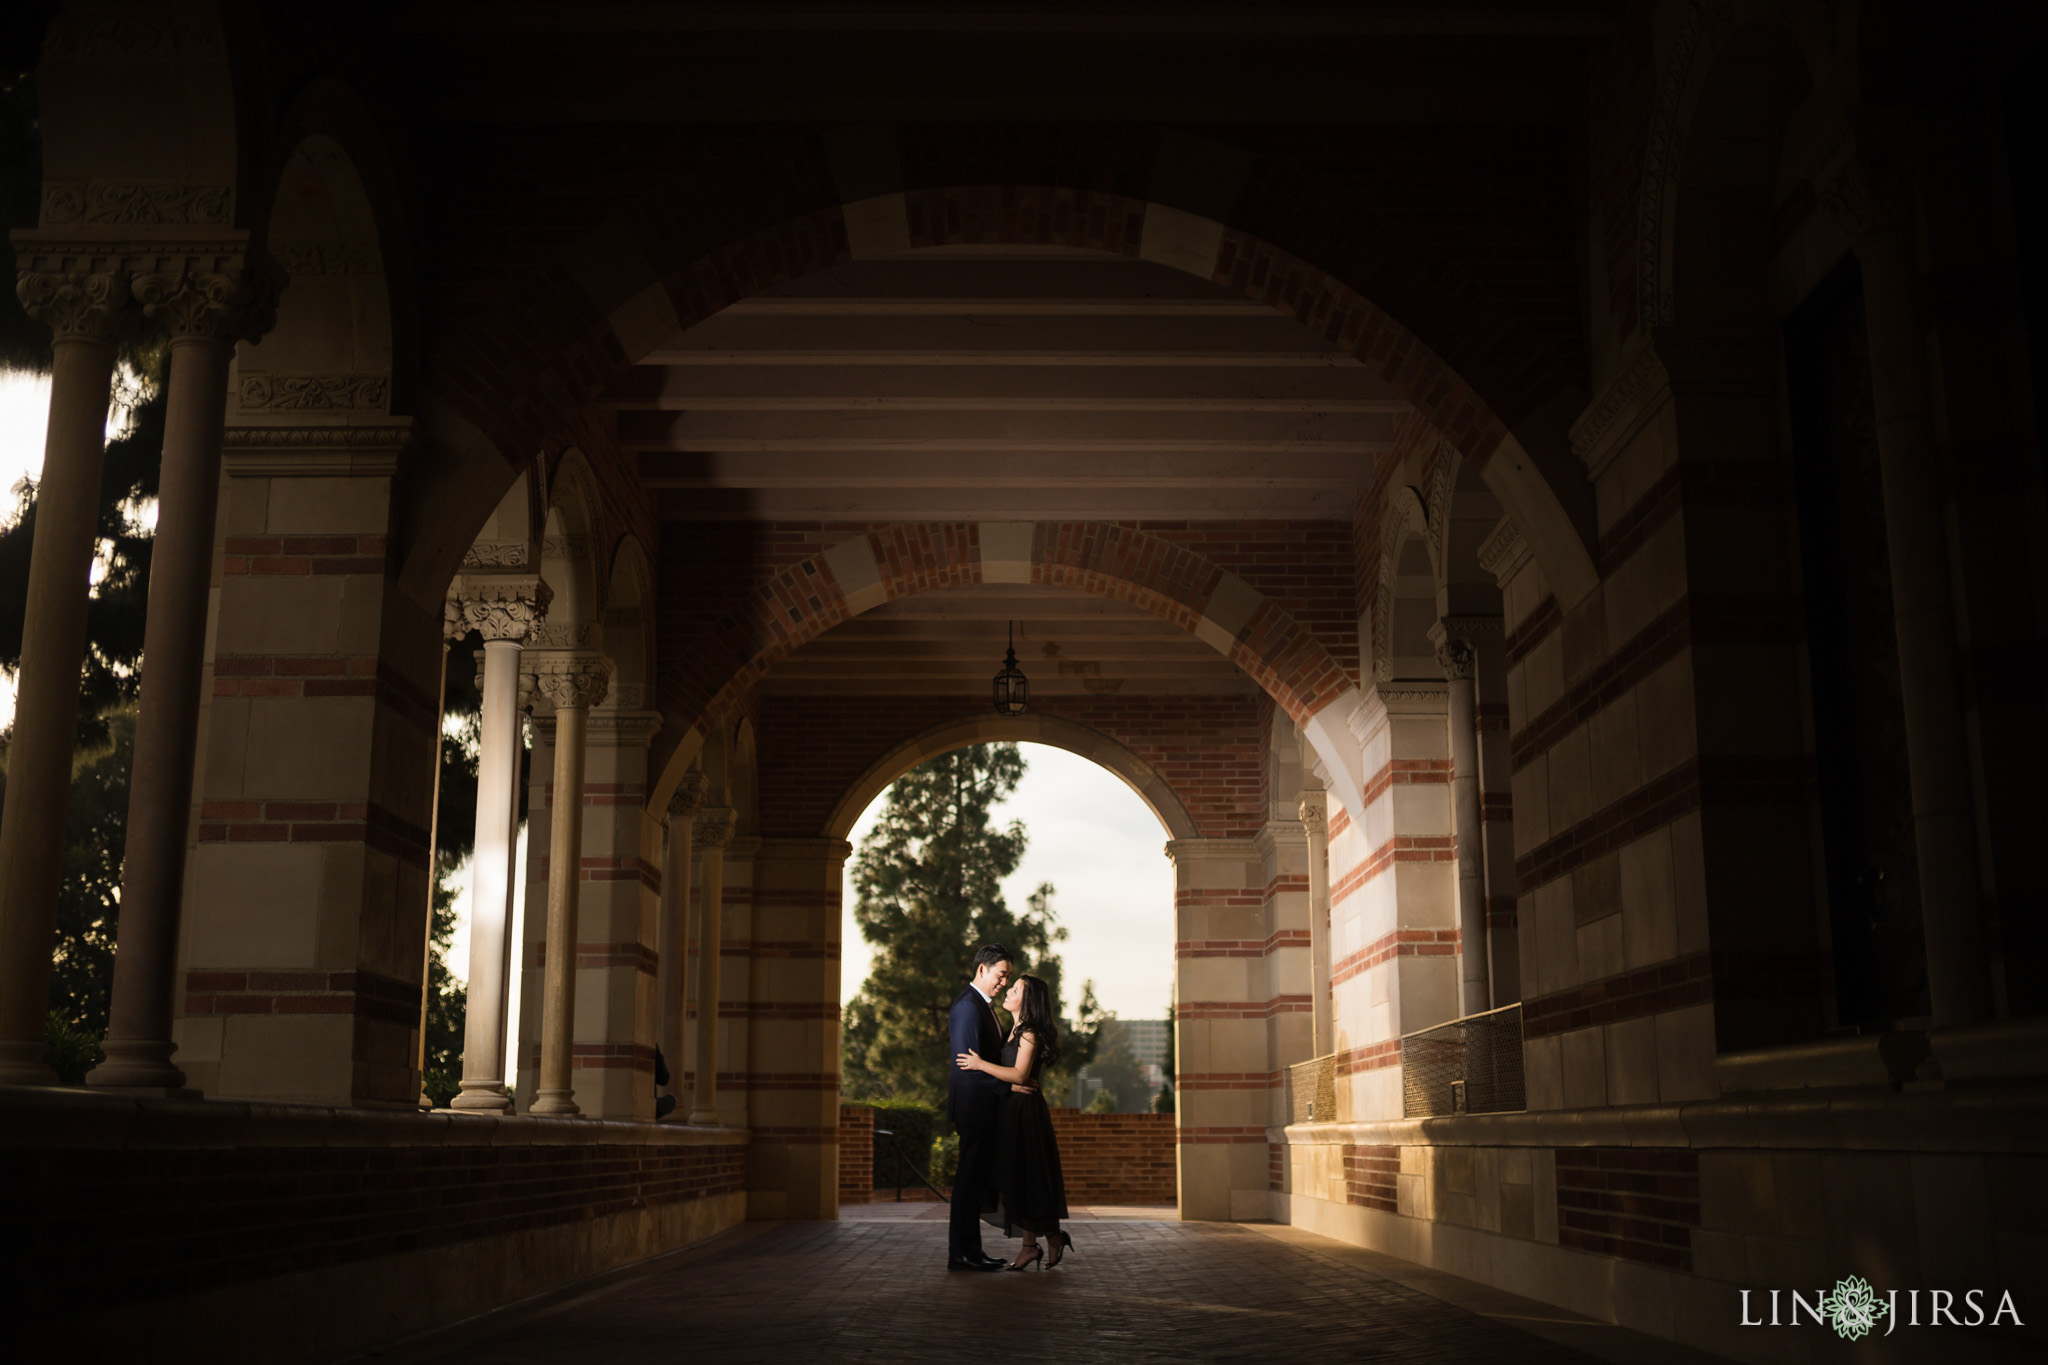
{"x":1312,"y":1090}
{"x":1468,"y":1066}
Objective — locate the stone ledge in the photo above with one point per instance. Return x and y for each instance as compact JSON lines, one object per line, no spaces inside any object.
{"x":1827,"y":1063}
{"x":2011,"y":1119}
{"x":37,"y":1117}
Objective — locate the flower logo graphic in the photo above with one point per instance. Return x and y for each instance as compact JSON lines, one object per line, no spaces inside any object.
{"x":1853,"y":1308}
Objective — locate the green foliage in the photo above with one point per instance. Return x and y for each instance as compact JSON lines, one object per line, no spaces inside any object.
{"x":73,"y":1050}
{"x":945,"y":1160}
{"x":110,"y":675}
{"x":928,"y":879}
{"x":89,"y":887}
{"x":454,"y":838}
{"x":1121,"y":1073}
{"x":1103,"y":1103}
{"x":1162,"y":1103}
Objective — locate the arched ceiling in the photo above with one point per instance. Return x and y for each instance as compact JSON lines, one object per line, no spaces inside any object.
{"x":1023,"y":384}
{"x":1005,"y":384}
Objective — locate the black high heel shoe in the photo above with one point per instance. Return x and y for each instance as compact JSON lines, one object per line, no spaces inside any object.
{"x":1066,"y":1245}
{"x":1037,"y":1254}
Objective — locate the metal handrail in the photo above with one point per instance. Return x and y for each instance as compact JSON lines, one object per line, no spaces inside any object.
{"x":903,"y":1166}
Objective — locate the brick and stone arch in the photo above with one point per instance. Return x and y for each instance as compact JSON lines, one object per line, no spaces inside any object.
{"x":605,"y":302}
{"x":1030,"y":728}
{"x":1168,"y":581}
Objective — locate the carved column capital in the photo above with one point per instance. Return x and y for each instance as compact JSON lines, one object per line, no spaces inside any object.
{"x":93,"y":305}
{"x":1454,"y":653}
{"x":504,"y":607}
{"x":689,"y":795}
{"x":453,"y":627}
{"x":572,"y":681}
{"x":714,"y":826}
{"x":1863,"y":195}
{"x":225,"y":300}
{"x":1315,"y":812}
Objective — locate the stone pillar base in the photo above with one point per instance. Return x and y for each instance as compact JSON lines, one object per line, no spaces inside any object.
{"x":482,"y":1099}
{"x":560,"y":1103}
{"x":132,"y":1063}
{"x":21,"y":1063}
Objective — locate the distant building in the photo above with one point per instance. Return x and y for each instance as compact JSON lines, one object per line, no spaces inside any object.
{"x":1147,"y":1039}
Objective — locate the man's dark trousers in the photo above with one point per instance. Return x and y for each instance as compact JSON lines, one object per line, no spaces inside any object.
{"x":972,"y":1098}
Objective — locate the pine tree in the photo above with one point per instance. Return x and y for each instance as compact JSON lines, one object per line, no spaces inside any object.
{"x":928,"y":881}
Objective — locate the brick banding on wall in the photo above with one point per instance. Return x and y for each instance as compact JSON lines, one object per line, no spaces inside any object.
{"x":269,"y":1212}
{"x":1371,"y":1177}
{"x":364,"y":994}
{"x":1636,"y":1203}
{"x":856,"y":1154}
{"x":1117,"y":1158}
{"x":1397,"y":943}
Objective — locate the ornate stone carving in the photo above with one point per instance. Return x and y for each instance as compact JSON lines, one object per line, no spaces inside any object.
{"x":102,"y":33}
{"x":566,"y":635}
{"x":1503,"y":551}
{"x":236,"y":304}
{"x":103,"y":203}
{"x":714,"y":826}
{"x":95,"y":306}
{"x":495,"y":554}
{"x":328,"y":258}
{"x":1457,"y":657}
{"x":566,"y":547}
{"x":573,"y":681}
{"x":689,"y":795}
{"x":1863,"y":199}
{"x":1454,"y":653}
{"x":504,"y":608}
{"x":1624,"y":397}
{"x":1704,"y":20}
{"x":627,"y":696}
{"x":315,"y":392}
{"x":453,"y":627}
{"x":1315,"y":812}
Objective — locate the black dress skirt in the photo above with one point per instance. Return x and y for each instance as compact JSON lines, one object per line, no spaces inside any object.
{"x":1028,"y":1193}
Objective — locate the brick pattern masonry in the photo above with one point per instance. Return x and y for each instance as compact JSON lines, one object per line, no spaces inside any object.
{"x":110,"y":1227}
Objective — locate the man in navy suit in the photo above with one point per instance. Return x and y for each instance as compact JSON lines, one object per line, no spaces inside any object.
{"x":972,"y":1098}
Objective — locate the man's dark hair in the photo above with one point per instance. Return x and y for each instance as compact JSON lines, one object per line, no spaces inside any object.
{"x":989,"y":954}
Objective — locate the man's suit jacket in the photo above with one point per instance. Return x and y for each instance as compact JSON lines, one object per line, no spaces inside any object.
{"x":972,"y":1096}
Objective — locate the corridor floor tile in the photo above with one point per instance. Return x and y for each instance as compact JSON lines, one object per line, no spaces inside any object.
{"x":1132,"y":1292}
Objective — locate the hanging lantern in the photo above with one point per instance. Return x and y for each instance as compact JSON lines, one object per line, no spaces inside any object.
{"x":1012,"y":689}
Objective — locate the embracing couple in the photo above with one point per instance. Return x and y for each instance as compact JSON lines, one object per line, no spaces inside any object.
{"x":1009,"y":1161}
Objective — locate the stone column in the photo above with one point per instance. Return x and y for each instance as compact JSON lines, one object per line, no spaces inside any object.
{"x":1458,"y":658}
{"x":207,"y":303}
{"x":574,"y":682}
{"x":451,"y":629}
{"x":1873,"y":207}
{"x":503,"y":609}
{"x":672,"y":931}
{"x":85,"y":301}
{"x":714,"y":826}
{"x":1315,"y":821}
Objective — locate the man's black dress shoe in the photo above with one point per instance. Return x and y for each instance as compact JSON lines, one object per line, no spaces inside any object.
{"x":982,"y":1262}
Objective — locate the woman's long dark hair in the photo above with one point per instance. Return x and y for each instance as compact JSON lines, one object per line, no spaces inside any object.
{"x":1036,"y":1019}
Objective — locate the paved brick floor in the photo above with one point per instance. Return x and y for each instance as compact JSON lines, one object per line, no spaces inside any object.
{"x":875,"y":1289}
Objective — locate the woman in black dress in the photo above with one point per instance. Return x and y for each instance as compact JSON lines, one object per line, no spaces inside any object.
{"x":1030,"y":1196}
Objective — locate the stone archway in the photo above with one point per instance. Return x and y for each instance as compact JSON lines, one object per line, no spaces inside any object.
{"x":1055,"y":731}
{"x":612,"y":305}
{"x":1172,"y":583}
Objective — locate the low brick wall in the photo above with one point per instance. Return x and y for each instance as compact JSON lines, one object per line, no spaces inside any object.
{"x":319,"y":1231}
{"x":1117,"y":1158}
{"x":856,"y":1154}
